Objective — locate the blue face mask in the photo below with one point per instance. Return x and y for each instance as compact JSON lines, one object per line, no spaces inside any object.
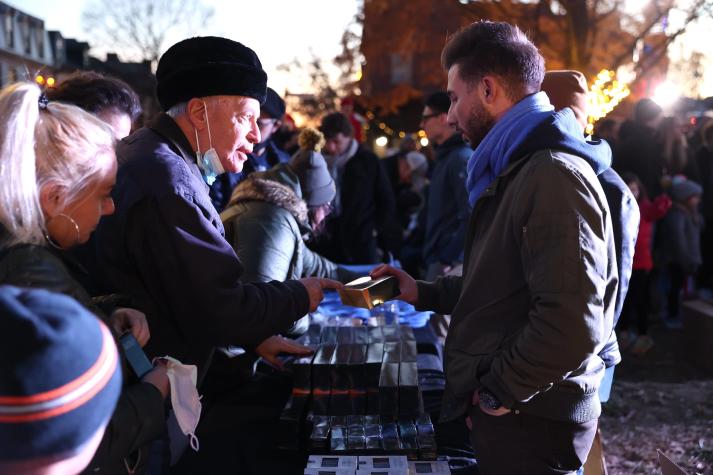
{"x":208,"y":161}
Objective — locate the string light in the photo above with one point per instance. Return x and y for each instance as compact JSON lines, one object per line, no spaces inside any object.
{"x":605,"y":93}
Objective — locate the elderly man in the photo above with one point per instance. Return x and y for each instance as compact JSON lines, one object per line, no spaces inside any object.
{"x":265,"y":155}
{"x":165,"y":244}
{"x":536,"y":302}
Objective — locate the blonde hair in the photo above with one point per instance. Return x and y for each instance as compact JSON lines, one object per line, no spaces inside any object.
{"x":60,"y":144}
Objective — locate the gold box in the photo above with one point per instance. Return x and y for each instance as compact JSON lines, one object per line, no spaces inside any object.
{"x":368,"y":293}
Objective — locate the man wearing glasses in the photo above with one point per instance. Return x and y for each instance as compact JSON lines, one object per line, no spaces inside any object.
{"x":266,"y":154}
{"x":447,"y":207}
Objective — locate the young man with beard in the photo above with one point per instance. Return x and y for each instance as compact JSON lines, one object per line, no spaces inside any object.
{"x":535,"y":304}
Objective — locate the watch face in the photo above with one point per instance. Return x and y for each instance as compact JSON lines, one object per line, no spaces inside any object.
{"x":489,"y":400}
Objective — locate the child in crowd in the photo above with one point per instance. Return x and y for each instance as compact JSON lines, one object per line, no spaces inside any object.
{"x":61,"y":379}
{"x":681,"y":242}
{"x":636,"y":305}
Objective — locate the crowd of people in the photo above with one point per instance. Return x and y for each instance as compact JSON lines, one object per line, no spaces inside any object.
{"x":204,"y":240}
{"x":667,"y":166}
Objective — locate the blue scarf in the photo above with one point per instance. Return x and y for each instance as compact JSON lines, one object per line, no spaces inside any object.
{"x":493,"y":154}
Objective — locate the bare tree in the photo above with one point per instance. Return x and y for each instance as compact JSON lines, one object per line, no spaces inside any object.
{"x":139,"y":29}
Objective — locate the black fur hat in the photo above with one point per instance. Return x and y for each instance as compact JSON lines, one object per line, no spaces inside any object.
{"x":208,"y":66}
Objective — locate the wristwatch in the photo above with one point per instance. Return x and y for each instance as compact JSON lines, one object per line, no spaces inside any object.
{"x":489,"y":400}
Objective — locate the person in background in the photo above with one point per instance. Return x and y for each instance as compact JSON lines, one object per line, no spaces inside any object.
{"x":639,"y":150}
{"x":58,"y":180}
{"x":637,"y":303}
{"x":410,"y":191}
{"x":60,"y":382}
{"x":271,"y":213}
{"x":447,"y":207}
{"x":362,"y":228}
{"x":681,"y":243}
{"x":674,"y":145}
{"x":704,"y":164}
{"x":108,"y":98}
{"x":265,"y":155}
{"x":608,"y":129}
{"x":346,"y":107}
{"x":115,"y":102}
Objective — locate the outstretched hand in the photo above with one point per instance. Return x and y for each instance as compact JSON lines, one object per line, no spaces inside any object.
{"x":275,"y":345}
{"x":315,"y":288}
{"x":407,"y":284}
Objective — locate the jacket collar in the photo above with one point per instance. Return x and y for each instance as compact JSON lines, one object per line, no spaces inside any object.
{"x":167,"y":128}
{"x":454,"y":141}
{"x":260,"y":188}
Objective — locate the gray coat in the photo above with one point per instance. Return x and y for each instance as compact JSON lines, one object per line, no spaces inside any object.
{"x":681,"y":240}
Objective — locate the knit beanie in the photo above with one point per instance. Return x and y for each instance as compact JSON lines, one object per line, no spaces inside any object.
{"x":567,"y":89}
{"x":682,"y":189}
{"x":309,"y":165}
{"x":208,"y":66}
{"x":274,"y":106}
{"x":60,"y":375}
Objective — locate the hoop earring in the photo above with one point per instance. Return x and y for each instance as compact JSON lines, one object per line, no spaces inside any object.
{"x":76,"y":228}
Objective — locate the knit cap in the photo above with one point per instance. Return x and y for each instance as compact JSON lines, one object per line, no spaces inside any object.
{"x":309,"y":165}
{"x":683,"y":188}
{"x":60,"y":375}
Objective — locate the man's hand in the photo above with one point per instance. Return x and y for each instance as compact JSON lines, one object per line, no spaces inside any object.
{"x":131,"y":320}
{"x":273,"y":346}
{"x":159,"y":378}
{"x":407,"y":284}
{"x":314,"y":286}
{"x":501,"y":411}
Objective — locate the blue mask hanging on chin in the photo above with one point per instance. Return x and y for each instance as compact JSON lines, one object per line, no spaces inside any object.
{"x":208,"y":161}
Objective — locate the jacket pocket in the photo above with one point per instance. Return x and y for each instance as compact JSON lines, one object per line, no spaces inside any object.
{"x":467,"y":363}
{"x":553,"y":252}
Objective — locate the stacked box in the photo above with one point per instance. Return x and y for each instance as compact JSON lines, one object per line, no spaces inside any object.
{"x":410,"y":402}
{"x":409,"y":437}
{"x":357,"y":379}
{"x":426,"y":437}
{"x":319,"y":438}
{"x":340,"y":403}
{"x":322,"y":374}
{"x":389,"y":390}
{"x":372,"y":374}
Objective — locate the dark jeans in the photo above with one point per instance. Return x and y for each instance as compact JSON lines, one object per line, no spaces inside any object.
{"x":637,"y":303}
{"x":516,"y":444}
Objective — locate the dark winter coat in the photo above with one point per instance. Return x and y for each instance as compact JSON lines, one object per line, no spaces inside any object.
{"x":681,"y":238}
{"x":165,"y":246}
{"x":224,"y":184}
{"x":447,"y":208}
{"x":366,"y":219}
{"x":265,"y":223}
{"x":139,"y":415}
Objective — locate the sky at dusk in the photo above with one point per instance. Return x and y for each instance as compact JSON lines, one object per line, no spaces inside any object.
{"x":278,"y":30}
{"x":281,"y":30}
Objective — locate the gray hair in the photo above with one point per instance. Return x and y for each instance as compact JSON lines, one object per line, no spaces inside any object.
{"x":177,"y":110}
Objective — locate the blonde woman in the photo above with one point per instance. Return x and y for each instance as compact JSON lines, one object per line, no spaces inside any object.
{"x":57,"y":170}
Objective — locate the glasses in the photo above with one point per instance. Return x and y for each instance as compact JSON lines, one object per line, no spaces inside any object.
{"x":266,"y":122}
{"x":425,"y":117}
